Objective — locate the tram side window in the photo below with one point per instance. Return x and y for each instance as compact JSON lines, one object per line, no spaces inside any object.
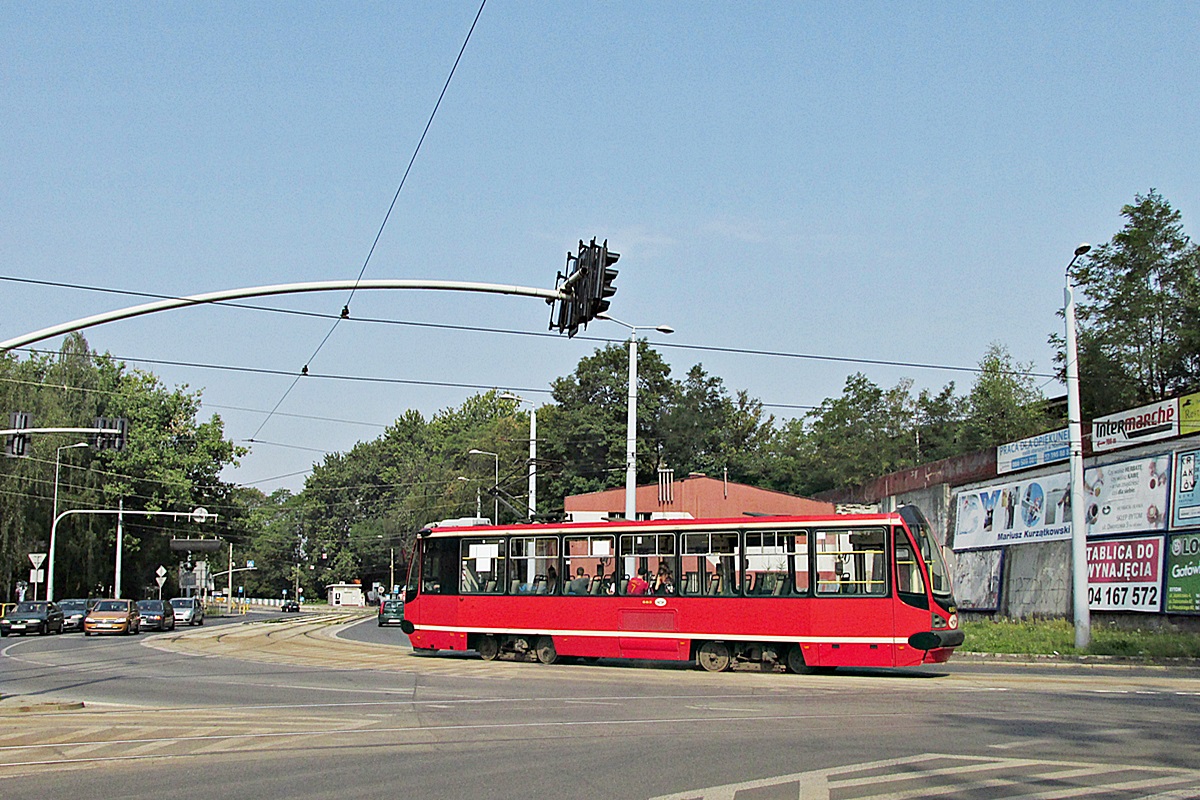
{"x":483,"y":563}
{"x":776,"y":563}
{"x":709,"y":564}
{"x":643,"y":559}
{"x":533,"y":565}
{"x":439,"y":566}
{"x":851,"y":562}
{"x":597,"y":557}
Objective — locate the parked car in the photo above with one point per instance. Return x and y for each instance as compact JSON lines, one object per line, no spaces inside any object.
{"x":391,"y":612}
{"x":290,"y":606}
{"x":112,"y":616}
{"x":74,"y":610}
{"x":188,"y":610}
{"x":40,"y":617}
{"x":157,"y":614}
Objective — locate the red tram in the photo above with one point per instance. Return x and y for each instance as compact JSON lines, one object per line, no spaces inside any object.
{"x":812,"y":592}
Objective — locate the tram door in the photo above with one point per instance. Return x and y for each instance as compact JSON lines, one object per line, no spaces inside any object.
{"x":853,"y":617}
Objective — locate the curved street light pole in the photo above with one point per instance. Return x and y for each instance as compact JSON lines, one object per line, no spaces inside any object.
{"x":631,"y":422}
{"x":1079,"y":571}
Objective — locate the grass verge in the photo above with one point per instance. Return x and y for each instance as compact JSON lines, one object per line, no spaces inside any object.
{"x":1057,"y":637}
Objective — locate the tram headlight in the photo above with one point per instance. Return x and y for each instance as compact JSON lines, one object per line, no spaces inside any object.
{"x":940,"y":622}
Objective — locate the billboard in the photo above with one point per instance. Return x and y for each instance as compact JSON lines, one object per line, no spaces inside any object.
{"x":1127,"y":497}
{"x":1136,"y":426}
{"x":1034,"y":510}
{"x":1125,"y":574}
{"x":1185,"y":492}
{"x":1189,"y":414}
{"x":1183,"y":574}
{"x":1036,"y":451}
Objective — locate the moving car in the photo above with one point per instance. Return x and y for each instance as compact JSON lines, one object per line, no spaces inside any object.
{"x":188,"y":610}
{"x":40,"y":617}
{"x":74,"y":610}
{"x":391,"y":612}
{"x":112,"y":616}
{"x":290,"y":606}
{"x":157,"y":614}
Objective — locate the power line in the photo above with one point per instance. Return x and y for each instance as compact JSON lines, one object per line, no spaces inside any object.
{"x":345,"y":314}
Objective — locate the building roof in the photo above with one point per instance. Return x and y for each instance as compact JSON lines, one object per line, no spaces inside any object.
{"x":699,"y":496}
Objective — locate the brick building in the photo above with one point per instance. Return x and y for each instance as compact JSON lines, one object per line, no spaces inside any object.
{"x":696,"y":496}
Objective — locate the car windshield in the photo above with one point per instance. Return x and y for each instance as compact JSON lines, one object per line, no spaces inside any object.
{"x":73,"y":605}
{"x":30,"y":608}
{"x":393,"y":605}
{"x":149,"y":605}
{"x":182,"y":602}
{"x":111,"y":605}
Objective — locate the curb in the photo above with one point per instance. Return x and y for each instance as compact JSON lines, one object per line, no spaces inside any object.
{"x":1058,"y":659}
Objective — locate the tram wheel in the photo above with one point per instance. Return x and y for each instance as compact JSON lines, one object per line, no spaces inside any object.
{"x":713,"y":656}
{"x":545,"y":650}
{"x":488,"y":647}
{"x":795,"y":661}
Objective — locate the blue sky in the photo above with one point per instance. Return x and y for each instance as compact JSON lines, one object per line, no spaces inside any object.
{"x":868,"y":180}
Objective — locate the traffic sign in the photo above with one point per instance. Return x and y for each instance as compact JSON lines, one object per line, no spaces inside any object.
{"x":200,"y":515}
{"x":37,"y":576}
{"x":37,"y":559}
{"x":160,"y":580}
{"x":161,"y":572}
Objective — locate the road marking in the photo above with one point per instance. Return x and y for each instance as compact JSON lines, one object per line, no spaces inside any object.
{"x":916,"y":777}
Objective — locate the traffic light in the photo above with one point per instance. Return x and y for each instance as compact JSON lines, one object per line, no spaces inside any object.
{"x":109,"y":441}
{"x":586,"y":286}
{"x":602,"y":277}
{"x":17,"y":444}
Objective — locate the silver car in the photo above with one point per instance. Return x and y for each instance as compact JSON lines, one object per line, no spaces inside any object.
{"x":188,"y":610}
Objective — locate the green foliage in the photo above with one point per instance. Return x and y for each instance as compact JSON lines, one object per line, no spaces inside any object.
{"x":1057,"y":637}
{"x":1139,"y":314}
{"x":1005,"y":404}
{"x":171,"y":461}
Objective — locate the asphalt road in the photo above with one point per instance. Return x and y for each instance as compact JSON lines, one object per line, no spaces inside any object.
{"x":302,"y":708}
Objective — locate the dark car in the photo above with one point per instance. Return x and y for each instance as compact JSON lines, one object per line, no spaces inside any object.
{"x":157,"y":614}
{"x":74,"y":610}
{"x":290,"y":606}
{"x":39,"y":617}
{"x":391,"y":612}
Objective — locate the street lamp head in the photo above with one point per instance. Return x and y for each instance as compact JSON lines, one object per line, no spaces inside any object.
{"x":667,"y":329}
{"x":1083,"y":248}
{"x":475,"y":452}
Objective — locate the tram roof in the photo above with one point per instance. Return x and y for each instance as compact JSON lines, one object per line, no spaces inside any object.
{"x":621,"y":525}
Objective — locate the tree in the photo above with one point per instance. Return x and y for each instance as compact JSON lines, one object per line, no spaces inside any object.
{"x":586,"y":429}
{"x":1004,"y":404}
{"x":1139,"y":318}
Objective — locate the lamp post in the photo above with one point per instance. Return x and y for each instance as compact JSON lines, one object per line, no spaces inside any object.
{"x":631,"y":426}
{"x":53,"y":528}
{"x":478,"y":502}
{"x":1079,"y":570}
{"x":496,"y":485}
{"x":532,"y":450}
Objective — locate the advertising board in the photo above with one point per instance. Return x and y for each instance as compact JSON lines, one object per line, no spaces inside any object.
{"x":1185,"y":491}
{"x":1036,"y":451}
{"x":1136,"y":426}
{"x":1127,"y":497}
{"x":1183,"y":574}
{"x":1018,"y":512}
{"x":1125,"y":574}
{"x":1189,"y":414}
